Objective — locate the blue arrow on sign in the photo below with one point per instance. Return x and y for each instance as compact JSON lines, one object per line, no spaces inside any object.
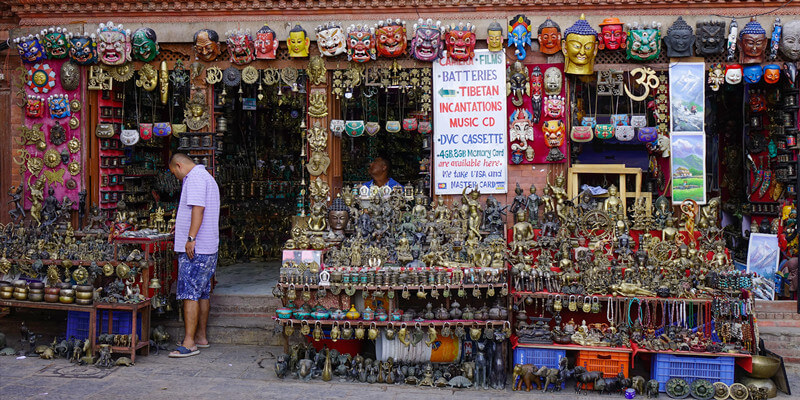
{"x":447,"y":92}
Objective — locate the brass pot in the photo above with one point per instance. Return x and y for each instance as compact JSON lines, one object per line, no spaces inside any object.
{"x":51,"y":298}
{"x":21,"y":295}
{"x":67,"y":292}
{"x":84,"y":288}
{"x":6,"y":295}
{"x":84,"y":295}
{"x":772,"y":390}
{"x":66,"y":299}
{"x":36,"y":285}
{"x":83,"y":302}
{"x":764,"y":367}
{"x":36,"y":297}
{"x":52,"y":290}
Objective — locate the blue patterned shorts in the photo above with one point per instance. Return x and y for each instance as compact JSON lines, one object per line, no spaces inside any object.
{"x":194,"y":276}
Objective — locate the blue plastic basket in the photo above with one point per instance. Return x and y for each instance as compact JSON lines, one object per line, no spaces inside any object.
{"x":78,"y":324}
{"x":689,"y":368}
{"x":539,"y":357}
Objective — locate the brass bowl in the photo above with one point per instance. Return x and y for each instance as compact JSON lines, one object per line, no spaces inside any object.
{"x":772,"y":389}
{"x":764,"y":367}
{"x":7,"y":289}
{"x":20,"y":296}
{"x":4,"y":283}
{"x":35,"y":291}
{"x":52,"y":290}
{"x":21,"y":290}
{"x":36,"y":285}
{"x":64,"y":285}
{"x":66,"y":299}
{"x":84,"y":295}
{"x":20,"y":283}
{"x":84,"y":288}
{"x":67,"y":292}
{"x":6,"y":295}
{"x":35,"y":297}
{"x":83,"y":302}
{"x":51,"y":298}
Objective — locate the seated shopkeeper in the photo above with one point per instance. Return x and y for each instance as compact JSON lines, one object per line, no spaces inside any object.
{"x":379,"y":171}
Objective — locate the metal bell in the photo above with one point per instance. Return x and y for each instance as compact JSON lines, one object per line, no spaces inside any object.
{"x":222,"y":124}
{"x":155,"y":283}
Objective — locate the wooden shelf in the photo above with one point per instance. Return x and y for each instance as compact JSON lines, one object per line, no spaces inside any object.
{"x":606,"y":297}
{"x":354,"y":322}
{"x":574,"y":347}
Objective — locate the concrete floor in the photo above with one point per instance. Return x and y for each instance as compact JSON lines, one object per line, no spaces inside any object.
{"x":235,"y":372}
{"x":248,"y":279}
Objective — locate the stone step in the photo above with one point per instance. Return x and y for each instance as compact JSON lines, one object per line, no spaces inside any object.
{"x":245,"y":301}
{"x":778,"y":306}
{"x":223,"y":309}
{"x":247,"y":329}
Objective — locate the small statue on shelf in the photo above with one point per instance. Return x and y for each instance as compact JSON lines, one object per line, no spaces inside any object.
{"x":493,"y":217}
{"x":97,"y":222}
{"x":613,"y":205}
{"x":16,"y":212}
{"x":532,"y":203}
{"x":318,"y":220}
{"x":640,"y":217}
{"x":37,"y":200}
{"x":520,"y":202}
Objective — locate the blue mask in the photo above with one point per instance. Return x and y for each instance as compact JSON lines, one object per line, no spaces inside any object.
{"x":519,"y":35}
{"x":752,"y":73}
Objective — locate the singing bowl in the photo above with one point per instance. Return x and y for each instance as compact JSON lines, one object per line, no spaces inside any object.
{"x":21,"y":295}
{"x":66,"y":299}
{"x":52,"y":290}
{"x":35,"y":297}
{"x":6,"y":295}
{"x":764,"y":367}
{"x":6,"y":289}
{"x":64,"y":285}
{"x":84,"y":295}
{"x":772,"y":389}
{"x":51,"y":298}
{"x":20,"y":283}
{"x":84,"y":288}
{"x":83,"y":302}
{"x":36,"y":285}
{"x":67,"y":292}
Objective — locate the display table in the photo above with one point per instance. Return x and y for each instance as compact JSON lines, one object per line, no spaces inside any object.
{"x":135,"y":309}
{"x":62,"y":307}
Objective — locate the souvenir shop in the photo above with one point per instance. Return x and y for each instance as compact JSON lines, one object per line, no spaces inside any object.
{"x":591,"y":203}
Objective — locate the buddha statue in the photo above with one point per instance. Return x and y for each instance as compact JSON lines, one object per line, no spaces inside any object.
{"x":790,"y":40}
{"x":613,"y":205}
{"x":752,"y":43}
{"x":318,"y":220}
{"x":338,"y":217}
{"x":579,"y":47}
{"x":679,"y":39}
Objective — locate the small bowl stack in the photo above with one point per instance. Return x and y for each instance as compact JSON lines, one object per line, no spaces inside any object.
{"x":20,"y":289}
{"x":36,"y":291}
{"x":67,"y":294}
{"x":84,"y":295}
{"x":6,"y":290}
{"x":51,"y":294}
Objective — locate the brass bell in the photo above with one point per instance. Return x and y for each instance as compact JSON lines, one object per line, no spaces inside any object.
{"x":155,"y":283}
{"x":222,"y":125}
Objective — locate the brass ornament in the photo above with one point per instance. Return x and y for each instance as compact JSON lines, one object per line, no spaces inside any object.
{"x":647,"y":78}
{"x":41,"y":146}
{"x":197,"y":116}
{"x":99,"y":79}
{"x":34,"y":165}
{"x":318,"y":163}
{"x":249,"y":75}
{"x":54,"y":176}
{"x":51,"y":158}
{"x":317,"y":73}
{"x":123,"y":271}
{"x":31,"y":135}
{"x":289,"y":76}
{"x":271,"y":76}
{"x":74,"y":145}
{"x":319,"y":189}
{"x":317,"y":137}
{"x":74,"y":168}
{"x":70,"y":76}
{"x":121,"y":73}
{"x":148,"y":78}
{"x":75,"y":105}
{"x":108,"y":269}
{"x":80,"y":275}
{"x":318,"y":107}
{"x":74,"y":122}
{"x":213,"y":75}
{"x":163,"y":79}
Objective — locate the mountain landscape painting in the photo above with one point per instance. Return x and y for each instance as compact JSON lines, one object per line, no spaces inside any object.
{"x":687,"y":96}
{"x":688,"y":167}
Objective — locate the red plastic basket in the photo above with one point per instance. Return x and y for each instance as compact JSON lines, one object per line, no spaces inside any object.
{"x":608,"y":362}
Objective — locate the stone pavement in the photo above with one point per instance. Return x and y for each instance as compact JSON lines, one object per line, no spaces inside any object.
{"x":223,"y":371}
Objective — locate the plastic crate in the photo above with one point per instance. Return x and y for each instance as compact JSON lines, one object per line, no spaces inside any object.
{"x":689,"y":368}
{"x":539,"y":357}
{"x":78,"y":324}
{"x":608,"y":362}
{"x":121,"y":325}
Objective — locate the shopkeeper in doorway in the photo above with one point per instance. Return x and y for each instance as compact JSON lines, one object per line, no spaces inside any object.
{"x":379,"y":171}
{"x":196,"y":242}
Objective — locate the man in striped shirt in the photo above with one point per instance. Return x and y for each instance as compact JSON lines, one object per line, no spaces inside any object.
{"x":196,"y":242}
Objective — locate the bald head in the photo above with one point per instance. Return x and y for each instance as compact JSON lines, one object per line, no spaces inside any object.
{"x":180,"y":164}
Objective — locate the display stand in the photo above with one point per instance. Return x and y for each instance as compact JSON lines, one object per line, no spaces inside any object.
{"x":573,"y":189}
{"x":134,"y":310}
{"x":149,"y":246}
{"x":62,"y":307}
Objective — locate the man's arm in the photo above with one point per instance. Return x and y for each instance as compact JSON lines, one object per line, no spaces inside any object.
{"x":194,"y":227}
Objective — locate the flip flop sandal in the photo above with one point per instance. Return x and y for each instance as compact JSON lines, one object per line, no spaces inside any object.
{"x":199,"y":346}
{"x":184,"y":352}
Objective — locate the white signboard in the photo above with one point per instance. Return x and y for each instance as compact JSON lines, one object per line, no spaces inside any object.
{"x":470,"y":127}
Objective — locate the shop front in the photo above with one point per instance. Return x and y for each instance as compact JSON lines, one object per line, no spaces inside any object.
{"x":501,"y":196}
